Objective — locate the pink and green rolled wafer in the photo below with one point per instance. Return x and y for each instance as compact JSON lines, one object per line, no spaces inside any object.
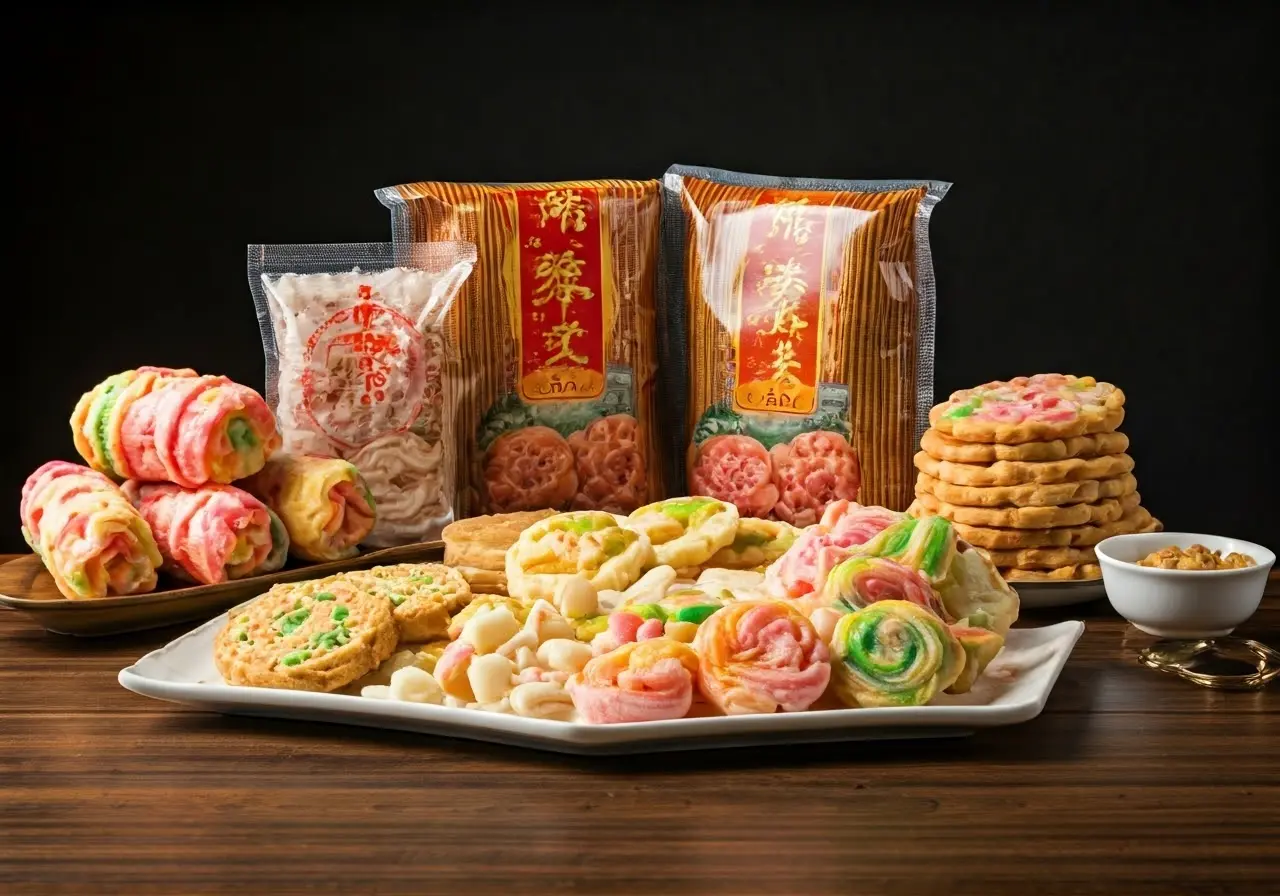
{"x":210,"y":534}
{"x":157,"y":424}
{"x":92,"y":540}
{"x":926,"y":545}
{"x":893,"y":653}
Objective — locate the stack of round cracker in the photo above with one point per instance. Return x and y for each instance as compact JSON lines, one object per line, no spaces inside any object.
{"x":1034,"y":472}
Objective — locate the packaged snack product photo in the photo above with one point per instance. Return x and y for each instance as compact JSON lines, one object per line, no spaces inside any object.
{"x":557,"y":341}
{"x":799,"y":318}
{"x":358,"y":351}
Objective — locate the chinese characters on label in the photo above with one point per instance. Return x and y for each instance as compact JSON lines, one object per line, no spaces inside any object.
{"x":562,"y":294}
{"x":780,"y":306}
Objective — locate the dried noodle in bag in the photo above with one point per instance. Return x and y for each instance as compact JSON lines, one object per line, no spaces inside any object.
{"x":804,"y":311}
{"x":557,"y":338}
{"x":357,"y":344}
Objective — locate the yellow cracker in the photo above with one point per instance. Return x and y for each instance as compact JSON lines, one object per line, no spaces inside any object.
{"x":423,"y":595}
{"x":482,"y":541}
{"x":968,"y":430}
{"x":1021,"y":472}
{"x":587,"y":543}
{"x":484,"y":581}
{"x":942,"y":447}
{"x":686,"y":532}
{"x":1042,"y":558}
{"x":303,"y":641}
{"x":1082,"y":572}
{"x":756,"y":543}
{"x":1105,"y":511}
{"x":1063,"y":537}
{"x":1034,"y":495}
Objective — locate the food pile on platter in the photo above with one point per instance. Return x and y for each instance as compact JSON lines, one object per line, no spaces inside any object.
{"x":680,"y":608}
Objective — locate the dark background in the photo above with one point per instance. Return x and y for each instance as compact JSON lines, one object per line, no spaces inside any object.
{"x":1111,"y":213}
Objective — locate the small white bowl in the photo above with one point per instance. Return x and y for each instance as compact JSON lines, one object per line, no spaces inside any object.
{"x":1182,"y":603}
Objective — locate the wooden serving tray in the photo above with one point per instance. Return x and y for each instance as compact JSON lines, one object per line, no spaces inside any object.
{"x":26,"y":586}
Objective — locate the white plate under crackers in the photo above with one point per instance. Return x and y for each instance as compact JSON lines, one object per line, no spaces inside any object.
{"x":1041,"y":595}
{"x":1013,"y":690}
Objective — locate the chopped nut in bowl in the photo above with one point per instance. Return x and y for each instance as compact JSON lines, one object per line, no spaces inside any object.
{"x":1183,"y":585}
{"x":1195,"y":557}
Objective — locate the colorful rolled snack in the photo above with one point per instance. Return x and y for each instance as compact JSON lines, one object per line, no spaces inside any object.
{"x":755,"y":543}
{"x":761,"y":657}
{"x":156,"y":424}
{"x":323,"y":501}
{"x":980,"y":646}
{"x":975,"y":590}
{"x":587,"y":543}
{"x":686,"y":532}
{"x":926,"y":545}
{"x":209,"y":534}
{"x":92,"y":540}
{"x":861,"y":581}
{"x":646,"y":681}
{"x":803,"y":569}
{"x":894,"y":653}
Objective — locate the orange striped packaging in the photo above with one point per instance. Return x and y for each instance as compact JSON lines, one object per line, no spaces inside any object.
{"x":799,"y":324}
{"x":555,"y":362}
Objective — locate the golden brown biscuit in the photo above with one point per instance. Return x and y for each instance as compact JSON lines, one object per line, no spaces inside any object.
{"x":1083,"y":572}
{"x":1030,"y":409}
{"x":481,"y":542}
{"x":318,"y":641}
{"x":1023,"y":472}
{"x":943,"y":447}
{"x":1033,"y":495}
{"x":1062,"y":537}
{"x":1041,"y":558}
{"x":484,"y":581}
{"x":1106,"y":511}
{"x":424,"y":596}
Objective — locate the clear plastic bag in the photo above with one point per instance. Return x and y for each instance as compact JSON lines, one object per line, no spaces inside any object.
{"x":357,"y":360}
{"x":798,"y":337}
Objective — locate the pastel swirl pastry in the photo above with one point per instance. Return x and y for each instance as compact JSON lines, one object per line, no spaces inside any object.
{"x":210,"y":534}
{"x":686,"y":532}
{"x":803,"y":569}
{"x":893,"y":653}
{"x":587,"y":543}
{"x":156,"y":424}
{"x":1027,"y":409}
{"x":756,"y":543}
{"x":92,"y":540}
{"x":645,"y":681}
{"x":761,"y":657}
{"x":324,"y":503}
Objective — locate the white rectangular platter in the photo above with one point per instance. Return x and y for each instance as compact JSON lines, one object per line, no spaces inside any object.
{"x":1013,"y":689}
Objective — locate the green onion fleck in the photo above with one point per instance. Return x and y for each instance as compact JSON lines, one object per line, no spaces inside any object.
{"x":243,"y":619}
{"x":293,"y":620}
{"x":325,"y":595}
{"x":297,"y":657}
{"x":243,"y":636}
{"x":398,"y":599}
{"x":340,"y":613}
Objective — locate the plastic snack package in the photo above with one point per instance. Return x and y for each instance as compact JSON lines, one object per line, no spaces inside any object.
{"x":360,"y":351}
{"x":799,"y":318}
{"x":557,"y":332}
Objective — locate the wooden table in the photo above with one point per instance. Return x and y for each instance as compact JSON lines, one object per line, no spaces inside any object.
{"x":1131,"y":781}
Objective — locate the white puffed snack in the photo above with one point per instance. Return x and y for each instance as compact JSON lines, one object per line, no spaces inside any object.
{"x":652,"y":586}
{"x":576,"y":597}
{"x":609,"y":600}
{"x":414,"y":685}
{"x":489,"y":629}
{"x":564,"y":655}
{"x":547,"y":623}
{"x":490,"y":677}
{"x":526,"y":659}
{"x":376,"y":692}
{"x":525,"y":639}
{"x":542,"y":700}
{"x":735,"y":580}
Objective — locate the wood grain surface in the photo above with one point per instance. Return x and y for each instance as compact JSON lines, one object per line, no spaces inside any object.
{"x":1131,"y":781}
